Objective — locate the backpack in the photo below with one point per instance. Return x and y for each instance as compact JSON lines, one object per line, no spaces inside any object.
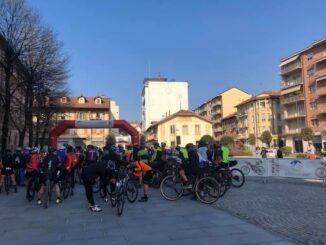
{"x":51,"y":163}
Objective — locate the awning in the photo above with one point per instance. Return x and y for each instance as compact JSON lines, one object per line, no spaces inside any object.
{"x":321,"y":78}
{"x":289,"y":60}
{"x":291,"y":89}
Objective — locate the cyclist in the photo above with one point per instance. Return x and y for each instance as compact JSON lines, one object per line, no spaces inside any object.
{"x":323,"y":150}
{"x":19,"y":165}
{"x":190,"y":164}
{"x":33,"y":161}
{"x":141,"y":166}
{"x":69,"y":167}
{"x":91,"y":155}
{"x":8,"y":169}
{"x":202,"y":152}
{"x":62,"y":154}
{"x":89,"y":175}
{"x":143,"y":154}
{"x":225,"y":155}
{"x":49,"y":168}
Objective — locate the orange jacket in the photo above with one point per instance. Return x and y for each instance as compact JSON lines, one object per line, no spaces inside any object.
{"x":70,"y":159}
{"x":141,"y":166}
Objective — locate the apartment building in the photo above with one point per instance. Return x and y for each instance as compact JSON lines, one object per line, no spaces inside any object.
{"x":180,"y":128}
{"x":86,"y":108}
{"x":230,"y":125}
{"x":221,"y":106}
{"x":258,"y":114}
{"x":304,"y":94}
{"x":161,"y":98}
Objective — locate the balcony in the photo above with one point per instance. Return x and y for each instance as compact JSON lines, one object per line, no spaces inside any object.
{"x":292,"y":99}
{"x":322,"y":110}
{"x":216,"y":103}
{"x":292,"y":131}
{"x":321,"y":77}
{"x":294,"y":115}
{"x":295,"y":66}
{"x":323,"y":59}
{"x":243,"y":114}
{"x":216,"y":112}
{"x":218,"y":129}
{"x":291,"y":83}
{"x":321,"y":91}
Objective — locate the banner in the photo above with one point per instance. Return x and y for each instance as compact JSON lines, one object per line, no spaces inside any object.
{"x":94,"y":124}
{"x":283,"y":167}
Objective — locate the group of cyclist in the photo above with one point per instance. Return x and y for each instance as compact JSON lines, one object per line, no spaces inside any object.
{"x":103,"y":164}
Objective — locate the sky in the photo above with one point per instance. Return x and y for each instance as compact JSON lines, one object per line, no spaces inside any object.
{"x":212,"y":44}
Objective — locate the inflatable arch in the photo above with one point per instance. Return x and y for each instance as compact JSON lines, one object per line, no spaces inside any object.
{"x":66,"y":124}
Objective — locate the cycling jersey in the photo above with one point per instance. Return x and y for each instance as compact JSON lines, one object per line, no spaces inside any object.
{"x":33,"y":161}
{"x":70,"y":159}
{"x":225,"y":154}
{"x":143,"y":155}
{"x":7,"y":165}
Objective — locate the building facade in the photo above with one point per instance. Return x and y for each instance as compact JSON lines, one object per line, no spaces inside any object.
{"x":180,"y":128}
{"x":230,"y":125}
{"x":161,"y":98}
{"x":85,"y":108}
{"x":304,"y":94}
{"x":258,"y":114}
{"x":221,"y":106}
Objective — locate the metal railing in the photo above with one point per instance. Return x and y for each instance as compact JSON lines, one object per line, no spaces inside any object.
{"x":288,"y":68}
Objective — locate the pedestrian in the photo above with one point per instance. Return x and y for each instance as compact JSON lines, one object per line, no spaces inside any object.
{"x":263,"y":152}
{"x":279,"y":153}
{"x":258,"y":152}
{"x":311,"y":151}
{"x":323,"y":150}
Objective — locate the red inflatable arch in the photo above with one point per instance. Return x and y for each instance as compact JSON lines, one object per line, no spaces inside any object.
{"x":66,"y":124}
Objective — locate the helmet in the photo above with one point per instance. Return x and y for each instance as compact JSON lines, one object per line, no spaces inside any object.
{"x":34,"y":150}
{"x":163,"y":144}
{"x":113,"y":148}
{"x":156,"y":144}
{"x":62,"y":147}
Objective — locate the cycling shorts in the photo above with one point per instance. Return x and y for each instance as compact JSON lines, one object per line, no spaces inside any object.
{"x":148,"y":177}
{"x":7,"y":171}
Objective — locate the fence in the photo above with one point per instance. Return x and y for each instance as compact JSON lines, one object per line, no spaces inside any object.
{"x":288,"y":167}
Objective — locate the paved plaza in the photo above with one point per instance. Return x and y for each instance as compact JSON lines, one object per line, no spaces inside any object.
{"x":291,"y":208}
{"x":156,"y":222}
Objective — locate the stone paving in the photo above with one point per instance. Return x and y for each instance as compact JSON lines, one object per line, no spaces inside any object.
{"x":291,"y":208}
{"x":155,"y":222}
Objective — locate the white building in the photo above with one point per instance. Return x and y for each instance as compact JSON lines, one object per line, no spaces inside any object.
{"x":161,"y":98}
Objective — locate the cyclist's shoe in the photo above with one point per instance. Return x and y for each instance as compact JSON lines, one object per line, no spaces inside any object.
{"x":95,"y":208}
{"x":58,"y":200}
{"x":39,"y":202}
{"x":187,"y":185}
{"x":143,"y":199}
{"x":106,"y":199}
{"x":113,"y":197}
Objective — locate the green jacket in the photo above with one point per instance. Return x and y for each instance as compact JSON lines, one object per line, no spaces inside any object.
{"x":183,"y":153}
{"x":225,"y":154}
{"x":143,"y":155}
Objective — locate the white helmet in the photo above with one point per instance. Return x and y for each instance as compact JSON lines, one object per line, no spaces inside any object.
{"x":34,"y":150}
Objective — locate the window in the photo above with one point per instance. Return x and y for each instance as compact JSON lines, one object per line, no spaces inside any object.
{"x":172,"y":130}
{"x":313,"y":105}
{"x":314,"y":122}
{"x":81,"y":115}
{"x":185,"y":129}
{"x":98,"y":131}
{"x":62,"y":116}
{"x":263,"y":118}
{"x":81,"y":100}
{"x":98,"y":101}
{"x":172,"y":143}
{"x":197,"y":129}
{"x":310,"y":56}
{"x":63,"y":100}
{"x":99,"y":116}
{"x":312,"y":88}
{"x":279,"y":129}
{"x":311,"y":72}
{"x":262,"y":105}
{"x":279,"y":116}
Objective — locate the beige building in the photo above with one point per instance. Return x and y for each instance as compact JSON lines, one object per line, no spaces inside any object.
{"x":304,"y":94}
{"x":230,"y":125}
{"x":180,"y":128}
{"x":258,"y":114}
{"x":221,"y":106}
{"x":86,"y":108}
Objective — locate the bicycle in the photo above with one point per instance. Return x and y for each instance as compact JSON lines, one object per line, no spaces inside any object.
{"x":206,"y":188}
{"x":47,"y":196}
{"x":65,"y":186}
{"x":321,"y":171}
{"x":257,"y":167}
{"x":8,"y":184}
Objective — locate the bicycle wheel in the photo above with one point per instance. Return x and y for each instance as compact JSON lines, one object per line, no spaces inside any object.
{"x":31,"y":189}
{"x":120,"y":200}
{"x":132,"y":191}
{"x":171,"y":188}
{"x":237,"y":178}
{"x":66,"y":187}
{"x":207,"y":190}
{"x":102,"y":192}
{"x":245,"y":169}
{"x":96,"y":186}
{"x":260,"y":170}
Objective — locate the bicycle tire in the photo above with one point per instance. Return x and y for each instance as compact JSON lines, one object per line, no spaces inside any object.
{"x":46,"y":194}
{"x":7,"y":184}
{"x":120,"y":200}
{"x":235,"y":182}
{"x":31,"y":189}
{"x":260,"y":170}
{"x":207,"y":187}
{"x":131,"y":191}
{"x":171,"y":181}
{"x":66,"y":187}
{"x":320,"y":173}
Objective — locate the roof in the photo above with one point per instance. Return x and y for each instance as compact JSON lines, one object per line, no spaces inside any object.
{"x":72,"y":102}
{"x":181,"y":113}
{"x":270,"y":93}
{"x":220,"y":94}
{"x":234,"y":114}
{"x":314,"y":44}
